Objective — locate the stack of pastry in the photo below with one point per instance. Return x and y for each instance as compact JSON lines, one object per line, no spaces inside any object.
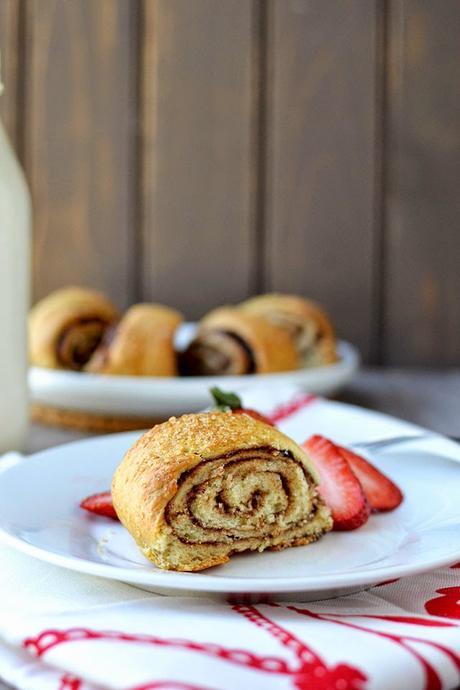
{"x":265,"y":334}
{"x":81,"y":330}
{"x":76,"y":328}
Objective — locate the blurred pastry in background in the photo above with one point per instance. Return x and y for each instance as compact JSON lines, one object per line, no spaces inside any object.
{"x":140,"y":344}
{"x":66,"y":327}
{"x":232,"y":342}
{"x":80,"y":329}
{"x":308,"y":326}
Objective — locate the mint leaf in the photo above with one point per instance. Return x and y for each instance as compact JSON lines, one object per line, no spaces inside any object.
{"x":225,"y":400}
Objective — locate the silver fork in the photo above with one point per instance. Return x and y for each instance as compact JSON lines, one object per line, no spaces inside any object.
{"x":379,"y":444}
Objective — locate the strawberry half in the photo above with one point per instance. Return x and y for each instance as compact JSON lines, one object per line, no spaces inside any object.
{"x":253,"y":413}
{"x":338,"y":486}
{"x":381,"y":492}
{"x":100,"y":504}
{"x":226,"y":400}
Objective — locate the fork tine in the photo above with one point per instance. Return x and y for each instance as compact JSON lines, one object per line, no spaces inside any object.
{"x":385,"y":442}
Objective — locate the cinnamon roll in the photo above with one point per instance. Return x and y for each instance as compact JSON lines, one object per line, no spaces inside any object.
{"x":199,"y":488}
{"x":306,"y":323}
{"x":67,"y":326}
{"x":231,"y":342}
{"x":140,"y":344}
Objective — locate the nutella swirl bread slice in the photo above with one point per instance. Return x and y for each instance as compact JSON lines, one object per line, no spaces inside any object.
{"x":231,"y":342}
{"x":199,"y":488}
{"x":304,"y":321}
{"x":66,"y":327}
{"x":140,"y":344}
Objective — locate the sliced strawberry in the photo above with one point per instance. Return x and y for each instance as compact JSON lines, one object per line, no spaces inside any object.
{"x":253,"y":413}
{"x":338,"y":486}
{"x":381,"y":492}
{"x":101,"y":504}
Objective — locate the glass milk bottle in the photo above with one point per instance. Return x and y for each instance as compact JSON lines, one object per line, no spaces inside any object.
{"x":14,"y":296}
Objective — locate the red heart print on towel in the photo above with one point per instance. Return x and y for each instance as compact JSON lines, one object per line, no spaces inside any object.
{"x":447,"y":605}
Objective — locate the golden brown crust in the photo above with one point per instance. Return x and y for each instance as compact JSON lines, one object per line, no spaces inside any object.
{"x":63,"y":309}
{"x":142,"y":344}
{"x":295,"y":311}
{"x":271,"y":348}
{"x":200,"y":449}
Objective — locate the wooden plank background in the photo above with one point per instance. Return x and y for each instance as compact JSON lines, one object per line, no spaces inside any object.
{"x":321,"y":158}
{"x":194,"y":152}
{"x":422,"y":322}
{"x":199,"y":113}
{"x":80,"y":142}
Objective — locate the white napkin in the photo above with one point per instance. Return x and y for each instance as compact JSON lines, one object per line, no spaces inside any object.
{"x":63,"y":630}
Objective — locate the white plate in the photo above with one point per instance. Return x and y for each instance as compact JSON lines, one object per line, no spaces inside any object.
{"x":162,"y":397}
{"x":39,"y":514}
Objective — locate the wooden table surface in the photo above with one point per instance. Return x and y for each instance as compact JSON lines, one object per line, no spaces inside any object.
{"x":429,"y":398}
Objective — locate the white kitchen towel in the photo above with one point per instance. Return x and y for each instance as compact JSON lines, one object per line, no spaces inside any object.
{"x":67,"y":631}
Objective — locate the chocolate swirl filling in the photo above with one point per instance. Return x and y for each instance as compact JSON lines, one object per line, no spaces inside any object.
{"x":214,"y":353}
{"x":101,"y":353}
{"x":252,"y":498}
{"x":306,"y":334}
{"x":78,"y":341}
